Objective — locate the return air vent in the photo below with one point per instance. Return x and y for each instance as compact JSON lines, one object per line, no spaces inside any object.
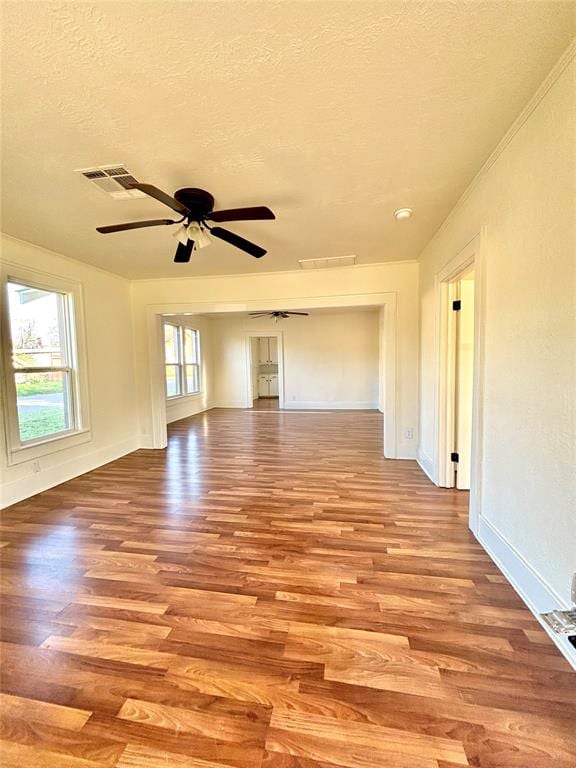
{"x":114,"y":180}
{"x":328,"y":262}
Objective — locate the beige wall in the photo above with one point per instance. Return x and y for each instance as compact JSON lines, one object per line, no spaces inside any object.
{"x":330,"y":359}
{"x":289,"y":290}
{"x":112,"y":403}
{"x":526,"y":203}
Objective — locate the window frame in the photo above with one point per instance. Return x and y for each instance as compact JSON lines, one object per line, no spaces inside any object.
{"x":182,"y":363}
{"x":75,"y":368}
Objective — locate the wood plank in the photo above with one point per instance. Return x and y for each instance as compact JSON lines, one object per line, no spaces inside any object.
{"x":316,"y":606}
{"x":43,"y":712}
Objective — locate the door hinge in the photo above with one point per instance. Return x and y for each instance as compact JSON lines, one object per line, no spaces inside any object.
{"x":457,"y":305}
{"x":454,"y":457}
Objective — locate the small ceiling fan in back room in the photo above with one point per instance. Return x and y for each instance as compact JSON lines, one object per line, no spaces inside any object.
{"x":195,"y":206}
{"x":278,"y":314}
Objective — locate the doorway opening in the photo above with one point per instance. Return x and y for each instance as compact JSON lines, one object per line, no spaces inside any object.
{"x":265,"y":374}
{"x":459,"y":393}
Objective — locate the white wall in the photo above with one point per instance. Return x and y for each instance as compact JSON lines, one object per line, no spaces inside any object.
{"x":526,"y":202}
{"x":112,"y":399}
{"x":289,"y":290}
{"x":330,"y":359}
{"x":188,"y":405}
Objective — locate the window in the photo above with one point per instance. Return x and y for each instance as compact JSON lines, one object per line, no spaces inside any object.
{"x":182,"y":360}
{"x":42,"y":383}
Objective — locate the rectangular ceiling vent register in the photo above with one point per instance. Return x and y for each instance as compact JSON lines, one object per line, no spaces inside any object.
{"x":326,"y":263}
{"x":113,"y":180}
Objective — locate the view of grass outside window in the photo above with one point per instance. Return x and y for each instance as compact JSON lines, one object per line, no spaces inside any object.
{"x":42,"y":374}
{"x":182,"y":360}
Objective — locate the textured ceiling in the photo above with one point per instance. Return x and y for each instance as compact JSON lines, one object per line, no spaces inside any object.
{"x":332,"y":113}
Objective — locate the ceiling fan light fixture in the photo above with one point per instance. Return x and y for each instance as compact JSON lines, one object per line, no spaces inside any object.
{"x":181,"y":234}
{"x":199,"y":235}
{"x":403,"y":213}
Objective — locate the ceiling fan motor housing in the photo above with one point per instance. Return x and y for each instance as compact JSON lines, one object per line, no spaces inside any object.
{"x":199,"y":202}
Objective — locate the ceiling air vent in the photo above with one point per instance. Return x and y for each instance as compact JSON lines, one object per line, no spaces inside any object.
{"x":114,"y":180}
{"x":326,"y":263}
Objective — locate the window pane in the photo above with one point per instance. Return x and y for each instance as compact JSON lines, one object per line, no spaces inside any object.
{"x":192,"y":379}
{"x":172,"y":380}
{"x":36,"y":327}
{"x":191,"y":346}
{"x":43,"y":401}
{"x":171,"y":347}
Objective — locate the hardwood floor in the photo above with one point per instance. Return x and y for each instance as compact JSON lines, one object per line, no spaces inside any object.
{"x":266,"y":404}
{"x":268,"y":593}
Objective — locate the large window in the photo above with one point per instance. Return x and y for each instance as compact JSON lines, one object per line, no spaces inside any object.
{"x":182,"y":360}
{"x":42,"y":386}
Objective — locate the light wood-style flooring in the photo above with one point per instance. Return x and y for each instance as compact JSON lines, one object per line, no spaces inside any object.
{"x":269,"y":592}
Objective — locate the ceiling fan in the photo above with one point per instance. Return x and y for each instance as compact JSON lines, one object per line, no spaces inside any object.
{"x":195,"y":206}
{"x":277,"y":314}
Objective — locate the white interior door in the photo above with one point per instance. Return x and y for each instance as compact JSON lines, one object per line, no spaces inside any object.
{"x":464,"y":381}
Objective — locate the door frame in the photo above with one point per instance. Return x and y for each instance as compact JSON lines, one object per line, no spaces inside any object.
{"x":445,"y":289}
{"x":279,"y":335}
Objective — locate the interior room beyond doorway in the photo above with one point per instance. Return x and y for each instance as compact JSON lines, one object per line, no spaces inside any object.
{"x":264,"y":365}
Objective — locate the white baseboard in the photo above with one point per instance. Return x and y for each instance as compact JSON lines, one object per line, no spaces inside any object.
{"x":330,"y":405}
{"x":184,"y":407}
{"x":426,"y":464}
{"x":538,"y":596}
{"x":34,"y":483}
{"x":228,"y":404}
{"x":405,"y":453}
{"x":146,"y":442}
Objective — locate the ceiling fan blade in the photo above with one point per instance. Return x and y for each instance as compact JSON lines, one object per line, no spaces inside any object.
{"x":133,"y":225}
{"x":259,"y":314}
{"x":242,"y":214}
{"x":239,"y":242}
{"x":298,"y":313}
{"x":184,"y":252}
{"x":162,"y":197}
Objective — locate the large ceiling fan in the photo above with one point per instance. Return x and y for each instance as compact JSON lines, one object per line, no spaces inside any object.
{"x":277,"y":314}
{"x":195,"y":206}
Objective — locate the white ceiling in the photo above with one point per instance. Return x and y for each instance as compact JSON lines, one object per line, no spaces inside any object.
{"x":332,"y":113}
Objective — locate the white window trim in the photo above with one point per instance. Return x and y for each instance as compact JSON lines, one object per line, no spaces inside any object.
{"x":16,"y":451}
{"x":181,"y":364}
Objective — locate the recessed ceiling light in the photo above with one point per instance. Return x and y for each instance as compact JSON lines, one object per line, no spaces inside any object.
{"x":403,"y":213}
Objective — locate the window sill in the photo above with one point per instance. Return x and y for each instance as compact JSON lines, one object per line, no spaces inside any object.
{"x":177,"y":398}
{"x":54,"y":444}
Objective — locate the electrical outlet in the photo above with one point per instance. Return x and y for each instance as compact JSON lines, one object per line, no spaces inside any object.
{"x":409,"y":433}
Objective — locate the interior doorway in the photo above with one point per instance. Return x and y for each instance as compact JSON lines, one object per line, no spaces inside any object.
{"x":265,"y":371}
